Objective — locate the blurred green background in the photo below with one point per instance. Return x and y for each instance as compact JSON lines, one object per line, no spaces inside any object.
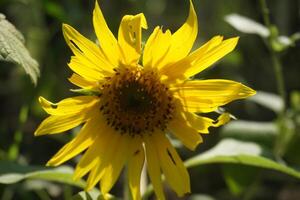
{"x":251,"y":63}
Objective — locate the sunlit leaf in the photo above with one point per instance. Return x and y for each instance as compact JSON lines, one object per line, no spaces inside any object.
{"x":12,"y":49}
{"x":261,"y":132}
{"x":246,"y":25}
{"x":201,"y":197}
{"x":249,"y":26}
{"x":238,"y":152}
{"x":268,"y":100}
{"x":92,"y":195}
{"x":86,"y":196}
{"x":283,"y":42}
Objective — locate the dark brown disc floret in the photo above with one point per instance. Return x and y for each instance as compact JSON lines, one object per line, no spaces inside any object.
{"x":134,"y":101}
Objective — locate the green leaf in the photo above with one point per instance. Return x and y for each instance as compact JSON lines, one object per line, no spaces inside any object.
{"x":244,"y":153}
{"x":261,"y":132}
{"x":92,"y":195}
{"x":11,"y":178}
{"x":249,"y":26}
{"x":287,"y":132}
{"x":61,"y":174}
{"x":86,"y":196}
{"x":201,"y":197}
{"x":12,"y":49}
{"x":282,"y":42}
{"x":268,"y":100}
{"x":12,"y":167}
{"x":246,"y":25}
{"x":86,"y":92}
{"x":55,"y":10}
{"x":239,"y":177}
{"x":295,"y":100}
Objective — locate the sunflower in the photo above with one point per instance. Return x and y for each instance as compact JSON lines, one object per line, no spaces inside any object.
{"x":137,"y":98}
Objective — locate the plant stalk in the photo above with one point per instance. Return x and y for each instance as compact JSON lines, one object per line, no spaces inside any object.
{"x":277,"y":66}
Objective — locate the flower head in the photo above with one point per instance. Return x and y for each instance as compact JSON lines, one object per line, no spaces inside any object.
{"x":138,"y":97}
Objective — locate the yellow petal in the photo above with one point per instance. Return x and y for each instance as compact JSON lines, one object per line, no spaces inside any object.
{"x":89,"y":160}
{"x":87,"y":53}
{"x":171,"y":165}
{"x":106,"y":39}
{"x":130,"y":37}
{"x":148,"y":49}
{"x":104,"y":155}
{"x":116,"y":162}
{"x":68,"y":106}
{"x":176,"y":71}
{"x":156,"y":48}
{"x":187,"y":134}
{"x":201,"y":124}
{"x":212,"y":56}
{"x":135,"y":166}
{"x":163,"y":49}
{"x":153,"y":167}
{"x":207,"y":95}
{"x":82,"y":82}
{"x":60,"y":123}
{"x":224,"y":118}
{"x":184,"y":38}
{"x":86,"y":68}
{"x":96,"y":174}
{"x":200,"y":59}
{"x":95,"y":153}
{"x":85,"y":138}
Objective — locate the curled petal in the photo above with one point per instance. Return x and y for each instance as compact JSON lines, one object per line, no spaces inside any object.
{"x":130,"y":37}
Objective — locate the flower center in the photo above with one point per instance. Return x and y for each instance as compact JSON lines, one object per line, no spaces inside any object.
{"x":134,"y":101}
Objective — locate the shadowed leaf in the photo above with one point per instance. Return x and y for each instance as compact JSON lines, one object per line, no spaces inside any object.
{"x":60,"y":174}
{"x":12,"y":49}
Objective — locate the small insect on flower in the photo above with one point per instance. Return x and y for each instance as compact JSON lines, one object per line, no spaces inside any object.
{"x":138,"y":96}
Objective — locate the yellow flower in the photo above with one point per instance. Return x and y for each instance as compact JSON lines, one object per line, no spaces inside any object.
{"x":140,"y":95}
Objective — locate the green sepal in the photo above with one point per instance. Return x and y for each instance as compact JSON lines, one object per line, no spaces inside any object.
{"x":87,"y":92}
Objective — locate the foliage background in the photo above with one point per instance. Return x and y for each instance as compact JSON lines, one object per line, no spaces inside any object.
{"x":40,"y":22}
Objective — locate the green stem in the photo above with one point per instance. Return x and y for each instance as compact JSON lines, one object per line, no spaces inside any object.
{"x":277,"y":66}
{"x":67,"y":192}
{"x":43,"y":195}
{"x":13,"y":151}
{"x":265,"y":12}
{"x":279,"y":78}
{"x":148,"y":192}
{"x":274,"y":55}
